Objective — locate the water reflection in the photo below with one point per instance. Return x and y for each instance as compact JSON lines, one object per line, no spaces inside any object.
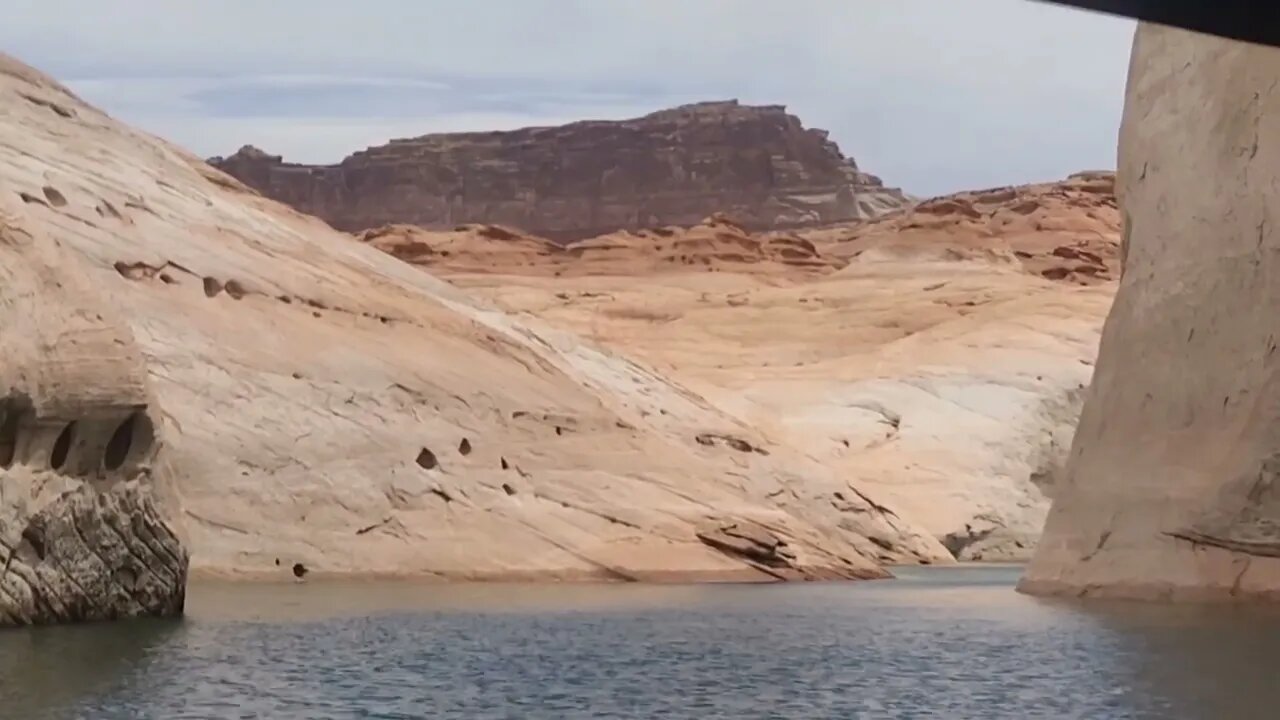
{"x":951,"y":643}
{"x":48,"y":671}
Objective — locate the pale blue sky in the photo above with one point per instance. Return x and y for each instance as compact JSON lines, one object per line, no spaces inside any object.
{"x":933,"y":95}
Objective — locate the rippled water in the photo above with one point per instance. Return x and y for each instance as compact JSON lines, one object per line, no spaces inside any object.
{"x":941,"y":643}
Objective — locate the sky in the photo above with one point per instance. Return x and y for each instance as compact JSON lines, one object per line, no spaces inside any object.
{"x":934,"y":96}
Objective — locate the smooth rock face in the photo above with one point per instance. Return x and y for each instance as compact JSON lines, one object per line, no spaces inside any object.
{"x":81,"y":534}
{"x":326,"y":409}
{"x":937,"y":355}
{"x":1170,"y":488}
{"x":676,"y":166}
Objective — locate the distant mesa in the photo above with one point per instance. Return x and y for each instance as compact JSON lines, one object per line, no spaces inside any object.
{"x":677,"y":166}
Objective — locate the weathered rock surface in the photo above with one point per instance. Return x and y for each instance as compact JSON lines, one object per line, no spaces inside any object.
{"x":938,"y":355}
{"x":716,"y":244}
{"x":81,"y":537}
{"x":1063,"y":230}
{"x":322,"y":405}
{"x":1170,"y":488}
{"x":676,"y":166}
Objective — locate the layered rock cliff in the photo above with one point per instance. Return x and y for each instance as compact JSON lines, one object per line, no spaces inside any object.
{"x":1170,"y":490}
{"x":325,"y":409}
{"x":938,"y":355}
{"x":676,"y":166}
{"x":81,"y":533}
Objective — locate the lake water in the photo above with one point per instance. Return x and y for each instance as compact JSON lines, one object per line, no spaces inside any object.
{"x":937,"y":643}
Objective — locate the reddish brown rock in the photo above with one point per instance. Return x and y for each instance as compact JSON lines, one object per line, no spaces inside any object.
{"x":672,"y":167}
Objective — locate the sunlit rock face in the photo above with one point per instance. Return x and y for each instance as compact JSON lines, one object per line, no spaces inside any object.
{"x":1170,"y":490}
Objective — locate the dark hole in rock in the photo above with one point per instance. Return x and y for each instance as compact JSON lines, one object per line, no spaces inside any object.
{"x":839,"y":495}
{"x":316,"y":314}
{"x":8,"y":436}
{"x":212,"y":287}
{"x":235,"y":289}
{"x":167,"y":279}
{"x":299,"y":570}
{"x":277,"y":562}
{"x":442,"y":494}
{"x":297,"y":376}
{"x":464,"y":447}
{"x":559,"y":430}
{"x":54,"y":197}
{"x":62,"y":446}
{"x":35,"y":540}
{"x":285,"y":299}
{"x":506,"y":487}
{"x":29,"y":198}
{"x":134,"y":434}
{"x":427,"y":459}
{"x":505,"y":464}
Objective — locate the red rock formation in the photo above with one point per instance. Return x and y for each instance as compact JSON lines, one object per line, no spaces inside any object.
{"x":1067,"y":230}
{"x":673,"y":167}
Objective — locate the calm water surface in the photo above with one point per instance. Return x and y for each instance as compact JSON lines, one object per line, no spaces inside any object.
{"x":941,"y":643}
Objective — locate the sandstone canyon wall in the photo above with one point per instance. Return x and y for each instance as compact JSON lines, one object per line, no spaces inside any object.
{"x":1171,"y":486}
{"x":321,"y":406}
{"x":676,"y":166}
{"x":938,"y":355}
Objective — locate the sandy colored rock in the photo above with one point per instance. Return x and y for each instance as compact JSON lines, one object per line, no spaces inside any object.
{"x":321,"y":404}
{"x":926,"y":354}
{"x":1170,"y":489}
{"x":671,"y":167}
{"x":81,"y":537}
{"x":1063,"y":230}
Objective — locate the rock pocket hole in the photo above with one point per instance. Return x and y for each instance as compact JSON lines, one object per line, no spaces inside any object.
{"x":8,"y":437}
{"x":464,"y":447}
{"x":506,"y":488}
{"x":54,"y":197}
{"x":505,"y":464}
{"x":235,"y":289}
{"x":212,"y":287}
{"x":29,"y":198}
{"x":62,"y":446}
{"x":131,"y":438}
{"x":427,"y":460}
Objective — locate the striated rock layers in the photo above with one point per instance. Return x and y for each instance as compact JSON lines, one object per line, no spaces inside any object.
{"x":1171,"y":488}
{"x":81,"y":537}
{"x":937,"y":355}
{"x":320,"y":406}
{"x":676,"y":166}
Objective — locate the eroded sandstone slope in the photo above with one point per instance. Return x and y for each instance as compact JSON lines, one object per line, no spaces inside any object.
{"x":81,"y":533}
{"x":674,"y":166}
{"x":1170,"y":490}
{"x":325,"y":407}
{"x":938,"y":355}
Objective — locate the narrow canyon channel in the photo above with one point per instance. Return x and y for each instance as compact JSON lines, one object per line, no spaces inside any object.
{"x":936,"y":643}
